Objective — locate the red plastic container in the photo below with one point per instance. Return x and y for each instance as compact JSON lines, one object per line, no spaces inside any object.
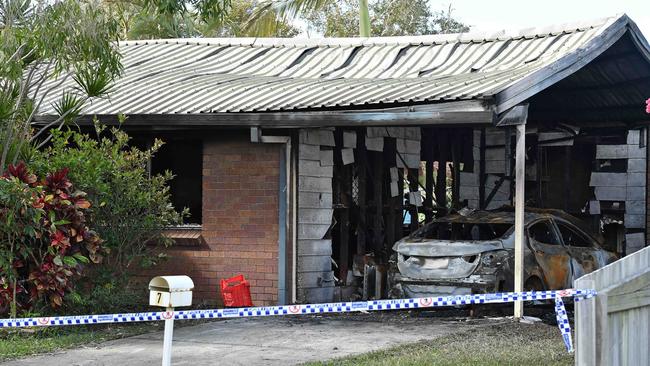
{"x":236,"y":292}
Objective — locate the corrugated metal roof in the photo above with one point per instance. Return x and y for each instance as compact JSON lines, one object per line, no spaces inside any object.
{"x":256,"y":75}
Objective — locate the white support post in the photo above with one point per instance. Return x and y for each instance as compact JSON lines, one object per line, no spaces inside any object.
{"x":520,"y":178}
{"x":167,"y":341}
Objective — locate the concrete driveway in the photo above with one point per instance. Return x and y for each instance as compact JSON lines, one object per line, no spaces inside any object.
{"x":262,"y":341}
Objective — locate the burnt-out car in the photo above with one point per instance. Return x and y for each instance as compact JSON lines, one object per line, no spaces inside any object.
{"x":474,"y":253}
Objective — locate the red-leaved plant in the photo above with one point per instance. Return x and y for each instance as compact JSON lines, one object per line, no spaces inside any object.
{"x":44,"y":240}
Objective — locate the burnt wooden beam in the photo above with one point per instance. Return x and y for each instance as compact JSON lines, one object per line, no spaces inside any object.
{"x":399,"y":224}
{"x":494,"y":190}
{"x":540,"y":198}
{"x":413,"y":187}
{"x":481,"y":172}
{"x":510,"y":161}
{"x":378,"y":177}
{"x":455,"y":161}
{"x":343,"y":197}
{"x":428,"y":139}
{"x":428,"y":189}
{"x":394,"y":214}
{"x":567,"y":177}
{"x":362,"y":170}
{"x":441,"y":177}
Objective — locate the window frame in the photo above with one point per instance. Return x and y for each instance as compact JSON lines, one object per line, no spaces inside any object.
{"x":591,"y":243}
{"x":552,"y":227}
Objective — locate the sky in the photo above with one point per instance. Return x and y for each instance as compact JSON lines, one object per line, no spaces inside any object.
{"x":494,"y":15}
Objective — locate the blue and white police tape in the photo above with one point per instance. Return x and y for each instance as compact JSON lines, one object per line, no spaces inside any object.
{"x":563,"y":323}
{"x":339,"y":307}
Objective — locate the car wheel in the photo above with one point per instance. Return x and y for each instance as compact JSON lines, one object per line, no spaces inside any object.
{"x":534,"y":284}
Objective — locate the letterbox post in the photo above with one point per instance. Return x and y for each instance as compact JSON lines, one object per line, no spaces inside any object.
{"x":170,"y":292}
{"x":169,"y":335}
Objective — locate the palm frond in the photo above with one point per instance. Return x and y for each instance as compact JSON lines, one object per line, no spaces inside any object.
{"x":93,"y":81}
{"x":268,"y":15}
{"x":68,"y":107}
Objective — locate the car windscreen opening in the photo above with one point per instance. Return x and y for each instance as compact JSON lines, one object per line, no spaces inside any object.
{"x":462,"y":231}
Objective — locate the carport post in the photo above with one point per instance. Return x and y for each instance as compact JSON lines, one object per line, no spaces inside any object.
{"x":517,"y":116}
{"x":520,"y":171}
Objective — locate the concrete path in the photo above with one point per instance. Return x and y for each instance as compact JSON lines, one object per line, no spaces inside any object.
{"x":261,"y":341}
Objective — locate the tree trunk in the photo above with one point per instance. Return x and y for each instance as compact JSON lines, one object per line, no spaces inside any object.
{"x":364,"y":19}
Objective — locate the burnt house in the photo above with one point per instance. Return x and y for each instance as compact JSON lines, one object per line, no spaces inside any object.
{"x":300,"y":159}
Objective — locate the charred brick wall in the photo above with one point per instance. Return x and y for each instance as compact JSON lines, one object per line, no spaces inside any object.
{"x":240,"y":222}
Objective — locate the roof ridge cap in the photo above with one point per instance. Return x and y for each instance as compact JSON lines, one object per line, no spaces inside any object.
{"x":466,"y":37}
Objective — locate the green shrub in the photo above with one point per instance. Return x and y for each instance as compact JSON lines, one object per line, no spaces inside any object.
{"x":106,"y":295}
{"x":44,"y":240}
{"x":132,"y":207}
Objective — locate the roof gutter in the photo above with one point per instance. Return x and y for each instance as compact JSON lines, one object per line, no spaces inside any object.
{"x":454,"y":113}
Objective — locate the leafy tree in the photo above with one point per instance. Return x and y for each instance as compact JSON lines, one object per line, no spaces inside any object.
{"x":149,"y":19}
{"x":346,"y":18}
{"x":336,"y":19}
{"x":42,"y":44}
{"x":164,"y":18}
{"x":412,"y":17}
{"x":387,"y":18}
{"x":153,"y":19}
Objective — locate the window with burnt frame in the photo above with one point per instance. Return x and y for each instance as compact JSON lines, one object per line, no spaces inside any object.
{"x":542,"y":232}
{"x":572,"y":238}
{"x":184,"y":158}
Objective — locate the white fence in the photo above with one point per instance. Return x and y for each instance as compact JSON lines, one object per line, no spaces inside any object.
{"x":614,"y":327}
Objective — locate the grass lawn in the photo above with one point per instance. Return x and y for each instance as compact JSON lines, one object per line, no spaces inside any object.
{"x":502,"y":344}
{"x":21,"y":343}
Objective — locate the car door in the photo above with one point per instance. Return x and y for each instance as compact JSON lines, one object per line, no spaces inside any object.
{"x":551,"y":256}
{"x":583,"y":250}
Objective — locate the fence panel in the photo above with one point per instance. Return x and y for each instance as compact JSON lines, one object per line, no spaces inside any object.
{"x":614,"y":327}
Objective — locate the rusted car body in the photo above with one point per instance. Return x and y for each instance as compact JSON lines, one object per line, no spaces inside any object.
{"x":474,"y":253}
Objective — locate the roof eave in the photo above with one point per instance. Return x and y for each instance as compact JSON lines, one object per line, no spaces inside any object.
{"x":570,"y":63}
{"x":300,"y":119}
{"x":463,"y":112}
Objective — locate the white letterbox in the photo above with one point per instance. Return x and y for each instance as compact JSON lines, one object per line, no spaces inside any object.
{"x":171,"y":291}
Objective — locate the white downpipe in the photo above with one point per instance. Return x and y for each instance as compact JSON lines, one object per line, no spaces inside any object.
{"x":294,"y":232}
{"x":292,"y":204}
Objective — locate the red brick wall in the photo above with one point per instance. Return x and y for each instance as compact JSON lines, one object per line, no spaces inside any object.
{"x":240,"y":221}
